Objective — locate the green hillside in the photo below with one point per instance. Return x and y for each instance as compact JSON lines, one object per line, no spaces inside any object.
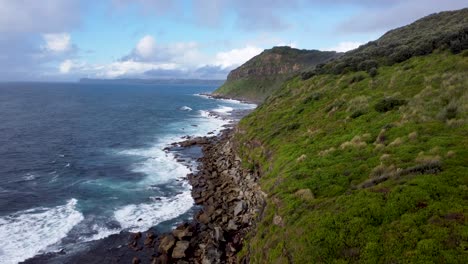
{"x":260,"y":76}
{"x":367,"y":166}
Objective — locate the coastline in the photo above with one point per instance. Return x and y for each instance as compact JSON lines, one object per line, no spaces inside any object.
{"x":229,"y":202}
{"x":229,"y":198}
{"x":222,"y":213}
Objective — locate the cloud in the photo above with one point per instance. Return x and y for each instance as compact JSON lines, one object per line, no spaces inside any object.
{"x":60,"y":42}
{"x":391,"y":14}
{"x":344,"y":46}
{"x":66,"y":66}
{"x":146,"y":46}
{"x":151,"y":59}
{"x":236,"y":57}
{"x":32,"y":16}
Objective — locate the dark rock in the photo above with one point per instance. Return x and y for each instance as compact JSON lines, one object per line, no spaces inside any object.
{"x":136,"y":260}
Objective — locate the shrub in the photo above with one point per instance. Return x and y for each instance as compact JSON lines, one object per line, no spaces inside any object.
{"x":307,"y":75}
{"x":449,"y":112}
{"x":388,"y":104}
{"x":372,"y":72}
{"x":357,"y":78}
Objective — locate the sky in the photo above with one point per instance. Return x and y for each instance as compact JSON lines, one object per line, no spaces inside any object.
{"x":65,"y":40}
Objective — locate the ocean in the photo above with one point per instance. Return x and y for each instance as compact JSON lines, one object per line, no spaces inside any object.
{"x":80,"y":162}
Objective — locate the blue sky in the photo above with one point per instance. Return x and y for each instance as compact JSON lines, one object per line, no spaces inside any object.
{"x":64,"y":40}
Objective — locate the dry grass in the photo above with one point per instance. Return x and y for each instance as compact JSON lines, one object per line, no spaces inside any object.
{"x":413,"y":136}
{"x":326,"y":152}
{"x":301,"y":158}
{"x":356,"y":142}
{"x":397,"y":142}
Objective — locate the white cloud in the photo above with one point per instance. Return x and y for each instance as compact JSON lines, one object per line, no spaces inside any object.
{"x":60,"y":42}
{"x":146,"y":46}
{"x":345,"y":46}
{"x":236,"y":57}
{"x":126,"y":68}
{"x":65,"y":66}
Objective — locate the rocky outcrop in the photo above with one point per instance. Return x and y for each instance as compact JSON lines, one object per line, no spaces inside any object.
{"x":230,"y":200}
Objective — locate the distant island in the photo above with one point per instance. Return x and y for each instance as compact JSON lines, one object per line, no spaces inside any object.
{"x":153,"y":81}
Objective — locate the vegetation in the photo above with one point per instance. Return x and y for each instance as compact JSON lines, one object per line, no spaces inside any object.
{"x":445,"y":30}
{"x":386,"y":185}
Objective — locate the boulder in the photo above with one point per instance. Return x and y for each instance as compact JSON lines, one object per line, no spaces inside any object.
{"x":239,"y":208}
{"x":232,"y":225}
{"x":182,"y":232}
{"x":167,"y":242}
{"x":179,"y":250}
{"x":203,"y":218}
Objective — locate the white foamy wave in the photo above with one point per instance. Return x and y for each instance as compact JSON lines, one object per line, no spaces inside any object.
{"x":100,"y":233}
{"x":157,"y":165}
{"x":141,"y":217}
{"x":205,"y":114}
{"x":29,"y":177}
{"x":185,"y":108}
{"x":222,"y":109}
{"x":26,"y":233}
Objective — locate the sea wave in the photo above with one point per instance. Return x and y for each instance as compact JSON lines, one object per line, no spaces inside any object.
{"x":185,"y":108}
{"x":26,"y":233}
{"x":141,"y":217}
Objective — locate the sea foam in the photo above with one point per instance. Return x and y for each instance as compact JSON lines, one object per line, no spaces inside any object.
{"x":27,"y":233}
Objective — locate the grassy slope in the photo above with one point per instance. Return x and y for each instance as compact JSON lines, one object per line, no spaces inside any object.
{"x":255,"y":90}
{"x":305,"y":138}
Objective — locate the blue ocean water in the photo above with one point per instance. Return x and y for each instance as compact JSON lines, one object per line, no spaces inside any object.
{"x":79,"y":162}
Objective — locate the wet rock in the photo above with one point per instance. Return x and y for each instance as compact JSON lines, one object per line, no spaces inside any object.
{"x":162,"y":259}
{"x":149,"y":241}
{"x":180,"y":248}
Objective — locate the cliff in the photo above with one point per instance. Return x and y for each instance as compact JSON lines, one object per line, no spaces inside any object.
{"x":260,"y":76}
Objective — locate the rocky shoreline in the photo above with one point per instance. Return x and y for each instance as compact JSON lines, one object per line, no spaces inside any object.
{"x":231,"y":201}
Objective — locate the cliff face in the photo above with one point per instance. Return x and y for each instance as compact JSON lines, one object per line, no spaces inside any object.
{"x":263,"y":74}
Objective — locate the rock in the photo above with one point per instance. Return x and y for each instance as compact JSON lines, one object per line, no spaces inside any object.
{"x":163,"y":259}
{"x":136,"y":260}
{"x":149,"y":239}
{"x":239,"y":208}
{"x":167,"y":242}
{"x":179,"y":250}
{"x":182,"y":232}
{"x":232,"y":225}
{"x":277,"y":220}
{"x":204,"y":218}
{"x":218,"y":234}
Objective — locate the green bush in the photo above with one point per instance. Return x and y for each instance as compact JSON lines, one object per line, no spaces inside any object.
{"x":388,"y":104}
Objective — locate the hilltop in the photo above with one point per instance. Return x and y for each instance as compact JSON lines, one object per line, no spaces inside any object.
{"x":260,"y":76}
